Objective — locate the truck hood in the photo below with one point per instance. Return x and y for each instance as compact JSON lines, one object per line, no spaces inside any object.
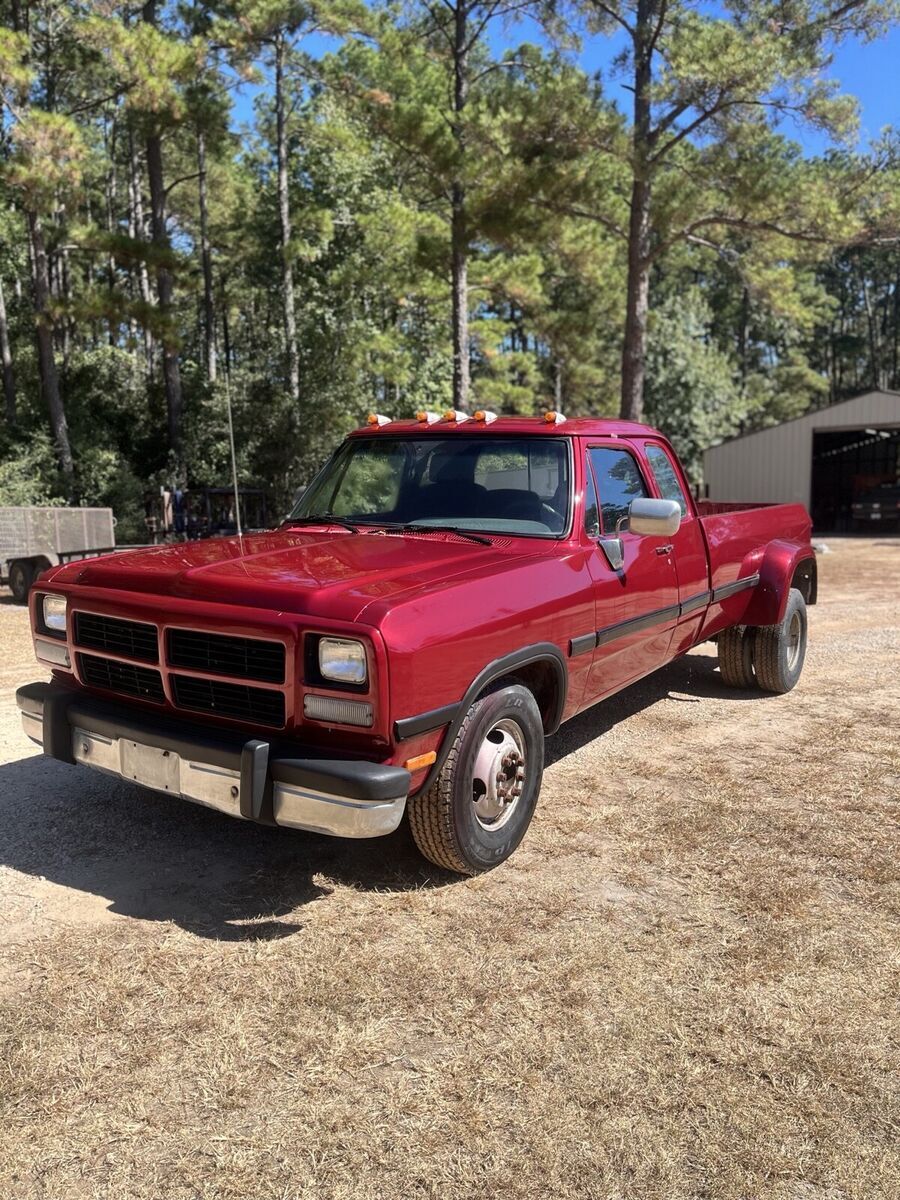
{"x":329,"y":574}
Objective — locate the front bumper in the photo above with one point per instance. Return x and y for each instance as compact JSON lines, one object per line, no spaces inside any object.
{"x":253,"y":780}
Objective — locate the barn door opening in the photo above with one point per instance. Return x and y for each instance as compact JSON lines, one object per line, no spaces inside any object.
{"x":855,"y":467}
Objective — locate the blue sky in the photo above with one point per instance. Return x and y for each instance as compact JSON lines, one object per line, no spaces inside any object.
{"x":871,"y":72}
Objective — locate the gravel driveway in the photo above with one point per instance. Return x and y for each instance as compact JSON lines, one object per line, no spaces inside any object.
{"x":682,"y":985}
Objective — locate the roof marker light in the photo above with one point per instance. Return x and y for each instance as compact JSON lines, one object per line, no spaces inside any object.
{"x":485,"y":415}
{"x":426,"y":417}
{"x":454,"y":414}
{"x":554,"y":418}
{"x":378,"y":419}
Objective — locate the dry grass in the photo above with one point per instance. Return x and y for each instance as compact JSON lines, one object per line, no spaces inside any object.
{"x":683,"y":985}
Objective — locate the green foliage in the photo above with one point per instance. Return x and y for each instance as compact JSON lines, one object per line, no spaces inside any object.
{"x":28,"y":472}
{"x":692,"y":393}
{"x":774,"y":281}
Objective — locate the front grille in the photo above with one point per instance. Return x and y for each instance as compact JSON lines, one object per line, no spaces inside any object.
{"x":256,"y":706}
{"x":125,"y":678}
{"x":239,"y":657}
{"x":131,"y":639}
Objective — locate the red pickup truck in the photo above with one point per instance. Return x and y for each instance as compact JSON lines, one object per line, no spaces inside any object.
{"x":446,"y":593}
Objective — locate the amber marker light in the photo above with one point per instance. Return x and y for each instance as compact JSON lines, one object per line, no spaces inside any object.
{"x":420,"y":761}
{"x":455,"y":416}
{"x":378,"y":419}
{"x":427,"y":417}
{"x":485,"y":416}
{"x":554,"y":418}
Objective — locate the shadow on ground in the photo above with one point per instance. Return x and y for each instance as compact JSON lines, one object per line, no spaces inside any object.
{"x":687,"y":680}
{"x":158,"y":858}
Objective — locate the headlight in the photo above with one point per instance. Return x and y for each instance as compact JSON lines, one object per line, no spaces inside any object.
{"x":54,"y":613}
{"x":342,"y":660}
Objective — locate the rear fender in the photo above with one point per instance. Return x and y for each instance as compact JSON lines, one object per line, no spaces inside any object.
{"x":784,"y":565}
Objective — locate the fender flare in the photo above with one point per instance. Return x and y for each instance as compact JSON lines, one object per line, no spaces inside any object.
{"x":777,"y":569}
{"x":540,"y":652}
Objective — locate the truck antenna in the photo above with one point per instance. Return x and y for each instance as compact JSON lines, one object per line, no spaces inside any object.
{"x":234,"y":475}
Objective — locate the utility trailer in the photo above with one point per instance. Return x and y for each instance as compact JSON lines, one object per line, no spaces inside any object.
{"x":33,"y":539}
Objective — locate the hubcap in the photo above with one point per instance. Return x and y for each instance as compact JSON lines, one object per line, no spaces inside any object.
{"x":794,"y":640}
{"x":498,"y":777}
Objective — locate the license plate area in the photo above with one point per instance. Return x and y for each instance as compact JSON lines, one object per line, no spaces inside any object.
{"x":150,"y":766}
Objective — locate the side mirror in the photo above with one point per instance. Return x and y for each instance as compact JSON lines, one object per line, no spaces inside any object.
{"x":654,"y":518}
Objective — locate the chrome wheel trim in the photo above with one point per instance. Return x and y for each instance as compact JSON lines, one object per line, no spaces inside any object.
{"x":498,"y":776}
{"x":794,"y":640}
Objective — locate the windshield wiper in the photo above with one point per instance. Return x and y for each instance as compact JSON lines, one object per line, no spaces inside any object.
{"x":413,"y":527}
{"x":325,"y":518}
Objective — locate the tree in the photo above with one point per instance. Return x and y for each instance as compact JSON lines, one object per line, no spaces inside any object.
{"x":272,"y":29}
{"x":424,"y":91}
{"x":708,"y":92}
{"x":44,"y":162}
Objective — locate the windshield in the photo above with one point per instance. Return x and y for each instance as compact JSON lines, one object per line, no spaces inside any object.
{"x":495,"y":484}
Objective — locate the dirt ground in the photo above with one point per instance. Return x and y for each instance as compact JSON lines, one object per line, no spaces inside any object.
{"x":684,"y":984}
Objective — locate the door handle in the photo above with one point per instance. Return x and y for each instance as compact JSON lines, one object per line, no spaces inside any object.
{"x":664,"y":549}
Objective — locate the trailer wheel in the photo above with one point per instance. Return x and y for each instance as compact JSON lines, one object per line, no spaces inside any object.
{"x":21,"y":577}
{"x":735,"y":647}
{"x":477,"y":810}
{"x":779,"y":650}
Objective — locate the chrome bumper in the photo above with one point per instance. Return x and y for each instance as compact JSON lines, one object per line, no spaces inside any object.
{"x":336,"y":797}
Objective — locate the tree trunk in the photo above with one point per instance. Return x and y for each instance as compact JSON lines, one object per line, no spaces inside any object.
{"x":165,"y":282}
{"x":138,"y":231}
{"x":46,"y":361}
{"x":459,"y":235}
{"x":9,"y":379}
{"x":637,"y":295}
{"x":226,"y":335}
{"x":110,"y":198}
{"x":871,"y":332}
{"x":165,"y":290}
{"x":284,"y":213}
{"x":209,"y":303}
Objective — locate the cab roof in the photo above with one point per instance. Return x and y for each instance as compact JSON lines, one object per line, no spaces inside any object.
{"x":519,"y":426}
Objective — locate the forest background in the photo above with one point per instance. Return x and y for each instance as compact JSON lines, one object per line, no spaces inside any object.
{"x":325,"y":209}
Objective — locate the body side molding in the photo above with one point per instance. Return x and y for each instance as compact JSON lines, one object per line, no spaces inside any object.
{"x":437,"y":718}
{"x":731,"y":589}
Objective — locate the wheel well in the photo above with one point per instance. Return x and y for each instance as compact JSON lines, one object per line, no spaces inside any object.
{"x":542,"y":680}
{"x":805,"y":579}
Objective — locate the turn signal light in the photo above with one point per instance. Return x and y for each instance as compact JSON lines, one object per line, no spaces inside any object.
{"x":420,"y":761}
{"x":485,"y":416}
{"x":378,"y":419}
{"x":554,"y":418}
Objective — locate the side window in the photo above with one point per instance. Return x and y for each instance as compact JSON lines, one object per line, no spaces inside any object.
{"x":618,"y":483}
{"x":665,"y":476}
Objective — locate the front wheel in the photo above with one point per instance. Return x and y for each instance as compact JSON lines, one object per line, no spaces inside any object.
{"x":481,"y":803}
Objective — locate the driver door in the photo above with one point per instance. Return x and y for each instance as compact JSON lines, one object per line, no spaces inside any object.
{"x":636,"y":605}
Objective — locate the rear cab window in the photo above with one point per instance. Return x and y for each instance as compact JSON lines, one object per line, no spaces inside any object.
{"x":666,"y":476}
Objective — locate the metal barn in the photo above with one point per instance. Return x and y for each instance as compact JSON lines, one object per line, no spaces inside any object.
{"x":827,"y":460}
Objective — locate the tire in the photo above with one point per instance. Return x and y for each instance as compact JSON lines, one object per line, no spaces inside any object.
{"x":735,"y":646}
{"x":21,"y":577}
{"x":481,"y":803}
{"x":779,"y":650}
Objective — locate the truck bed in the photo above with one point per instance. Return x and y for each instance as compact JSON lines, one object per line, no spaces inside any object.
{"x":738,"y":536}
